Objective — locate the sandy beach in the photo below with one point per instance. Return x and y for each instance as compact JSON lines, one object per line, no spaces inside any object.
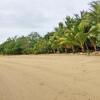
{"x":50,"y":77}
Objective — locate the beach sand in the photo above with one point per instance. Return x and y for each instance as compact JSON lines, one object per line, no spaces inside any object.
{"x":50,"y":77}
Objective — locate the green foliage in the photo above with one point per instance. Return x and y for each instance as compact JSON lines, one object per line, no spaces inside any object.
{"x":78,"y":33}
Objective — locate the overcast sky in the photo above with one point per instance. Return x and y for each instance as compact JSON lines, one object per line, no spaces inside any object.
{"x":18,"y":17}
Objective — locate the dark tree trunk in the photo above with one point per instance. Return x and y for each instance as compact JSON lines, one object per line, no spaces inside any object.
{"x":86,"y":47}
{"x":82,"y":48}
{"x":65,"y":50}
{"x":58,"y":51}
{"x":94,"y":45}
{"x":73,"y":49}
{"x":54,"y":51}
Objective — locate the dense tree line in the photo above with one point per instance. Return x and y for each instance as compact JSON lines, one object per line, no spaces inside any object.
{"x":80,"y":33}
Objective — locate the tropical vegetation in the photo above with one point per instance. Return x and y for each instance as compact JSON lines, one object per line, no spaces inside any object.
{"x":80,"y":33}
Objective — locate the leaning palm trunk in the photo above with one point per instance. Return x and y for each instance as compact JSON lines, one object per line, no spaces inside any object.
{"x":94,"y":45}
{"x":82,"y":48}
{"x":54,"y":51}
{"x":58,"y":51}
{"x":73,"y":49}
{"x":65,"y":50}
{"x":87,"y":49}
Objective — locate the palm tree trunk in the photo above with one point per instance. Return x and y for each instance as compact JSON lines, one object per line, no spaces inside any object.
{"x":82,"y":47}
{"x":94,"y":45}
{"x":54,"y":51}
{"x":65,"y":50}
{"x":86,"y":46}
{"x":73,"y":49}
{"x":58,"y":51}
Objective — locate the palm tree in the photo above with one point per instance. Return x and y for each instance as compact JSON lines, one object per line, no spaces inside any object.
{"x":81,"y":38}
{"x":83,"y":27}
{"x":93,"y":35}
{"x":70,"y":32}
{"x":68,"y":41}
{"x":54,"y":42}
{"x":95,"y":23}
{"x":95,"y":12}
{"x":75,"y":31}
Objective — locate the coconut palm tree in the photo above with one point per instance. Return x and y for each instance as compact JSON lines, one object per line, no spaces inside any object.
{"x":95,"y":12}
{"x":95,"y":22}
{"x":81,"y":38}
{"x":93,"y":35}
{"x":83,"y":28}
{"x":68,"y":41}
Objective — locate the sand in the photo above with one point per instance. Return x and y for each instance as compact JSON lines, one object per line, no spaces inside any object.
{"x":50,"y":77}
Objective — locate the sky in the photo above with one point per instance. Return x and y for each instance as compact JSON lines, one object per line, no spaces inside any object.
{"x":21,"y":17}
